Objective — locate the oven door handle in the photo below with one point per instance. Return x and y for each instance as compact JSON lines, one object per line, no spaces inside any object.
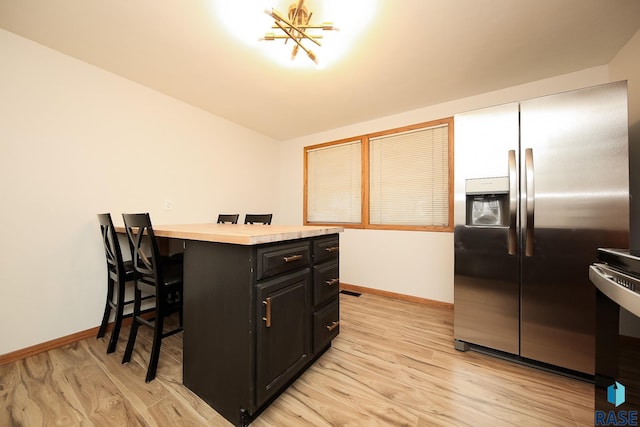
{"x":605,"y":280}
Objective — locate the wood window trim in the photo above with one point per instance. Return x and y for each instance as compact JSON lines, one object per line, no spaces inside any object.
{"x":364,"y":140}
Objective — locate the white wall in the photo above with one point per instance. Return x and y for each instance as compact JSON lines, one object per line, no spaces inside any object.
{"x":408,"y":262}
{"x":75,"y":141}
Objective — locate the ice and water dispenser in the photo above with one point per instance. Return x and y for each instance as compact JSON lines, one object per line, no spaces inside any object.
{"x":487,"y":202}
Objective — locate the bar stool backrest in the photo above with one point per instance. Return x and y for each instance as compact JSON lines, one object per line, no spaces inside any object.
{"x":228,"y":218}
{"x":258,"y":218}
{"x":142,"y":240}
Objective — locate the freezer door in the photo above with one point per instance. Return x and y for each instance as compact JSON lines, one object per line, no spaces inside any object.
{"x":574,"y":199}
{"x":486,"y":288}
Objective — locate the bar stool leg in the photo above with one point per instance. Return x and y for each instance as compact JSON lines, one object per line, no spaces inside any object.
{"x":155,"y":347}
{"x":134,"y":326}
{"x":107,"y":309}
{"x":117,"y":324}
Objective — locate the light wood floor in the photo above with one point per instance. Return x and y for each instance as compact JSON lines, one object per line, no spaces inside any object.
{"x":392,"y":364}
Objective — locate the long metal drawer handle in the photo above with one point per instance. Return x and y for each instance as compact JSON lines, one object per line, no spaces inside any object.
{"x":332,"y":249}
{"x":332,"y":282}
{"x":267,"y":319}
{"x":332,"y":326}
{"x":292,"y":258}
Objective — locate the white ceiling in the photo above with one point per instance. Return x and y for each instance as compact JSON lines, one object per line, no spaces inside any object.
{"x":416,"y":53}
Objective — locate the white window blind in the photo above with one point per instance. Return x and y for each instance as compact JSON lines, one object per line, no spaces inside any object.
{"x":334,"y":183}
{"x":409,"y":178}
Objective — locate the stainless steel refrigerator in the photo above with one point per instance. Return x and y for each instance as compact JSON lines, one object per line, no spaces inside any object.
{"x":539,"y":186}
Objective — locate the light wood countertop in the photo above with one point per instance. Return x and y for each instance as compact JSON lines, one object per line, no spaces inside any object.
{"x":240,"y":234}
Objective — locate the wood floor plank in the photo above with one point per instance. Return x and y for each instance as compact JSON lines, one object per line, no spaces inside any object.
{"x":326,"y":410}
{"x":371,"y":395}
{"x":129,"y":377}
{"x":172,"y":379}
{"x":42,"y":396}
{"x":101,"y":399}
{"x":11,"y":395}
{"x":172,"y":411}
{"x":384,"y":383}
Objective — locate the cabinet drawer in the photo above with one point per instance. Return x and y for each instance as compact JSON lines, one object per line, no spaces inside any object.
{"x":326,"y":325}
{"x":326,"y":283}
{"x":274,"y":260}
{"x":326,"y":249}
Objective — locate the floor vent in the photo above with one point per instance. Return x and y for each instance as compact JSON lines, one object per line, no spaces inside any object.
{"x":353,"y":294}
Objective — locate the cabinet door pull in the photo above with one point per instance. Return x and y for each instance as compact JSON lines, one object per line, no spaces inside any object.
{"x":332,"y":326}
{"x":332,"y":249}
{"x":292,"y":258}
{"x":267,"y":319}
{"x":332,"y":282}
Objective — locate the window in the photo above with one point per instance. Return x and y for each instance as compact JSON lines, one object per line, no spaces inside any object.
{"x":334,"y":183}
{"x":396,"y":179}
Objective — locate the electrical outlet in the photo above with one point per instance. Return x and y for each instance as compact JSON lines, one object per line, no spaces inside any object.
{"x":168,"y":205}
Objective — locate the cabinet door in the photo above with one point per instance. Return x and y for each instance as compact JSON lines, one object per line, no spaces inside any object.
{"x":283,"y":331}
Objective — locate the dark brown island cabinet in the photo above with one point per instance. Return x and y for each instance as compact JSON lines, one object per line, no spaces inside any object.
{"x":256,"y":317}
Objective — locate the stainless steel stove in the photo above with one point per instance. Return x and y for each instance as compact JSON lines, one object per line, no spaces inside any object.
{"x":616,"y":276}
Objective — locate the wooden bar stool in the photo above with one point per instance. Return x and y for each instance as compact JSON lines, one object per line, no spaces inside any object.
{"x":157,"y":275}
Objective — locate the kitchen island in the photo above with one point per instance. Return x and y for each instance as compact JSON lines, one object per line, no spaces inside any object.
{"x":260,"y":305}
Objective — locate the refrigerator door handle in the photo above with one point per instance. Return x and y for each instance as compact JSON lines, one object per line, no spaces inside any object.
{"x":513,"y":204}
{"x":529,"y":194}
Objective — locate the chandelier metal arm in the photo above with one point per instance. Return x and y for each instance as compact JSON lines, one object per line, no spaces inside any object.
{"x":272,"y":36}
{"x":276,"y":15}
{"x":312,"y":27}
{"x":309,"y":53}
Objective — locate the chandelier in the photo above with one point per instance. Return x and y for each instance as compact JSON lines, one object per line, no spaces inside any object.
{"x":297,"y":28}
